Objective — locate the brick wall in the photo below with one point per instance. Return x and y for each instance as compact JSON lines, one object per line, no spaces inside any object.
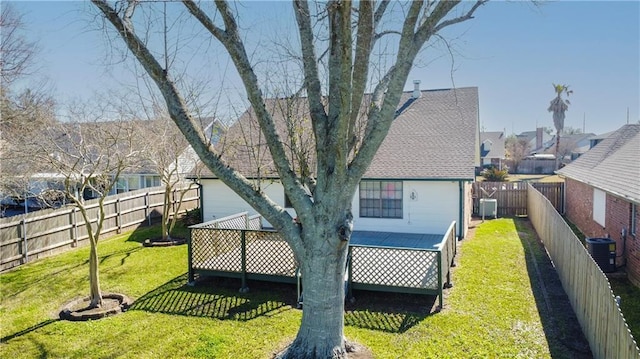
{"x":633,"y":252}
{"x":579,"y":210}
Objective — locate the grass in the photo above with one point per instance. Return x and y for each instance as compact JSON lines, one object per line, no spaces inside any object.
{"x":493,"y":310}
{"x":629,"y":303}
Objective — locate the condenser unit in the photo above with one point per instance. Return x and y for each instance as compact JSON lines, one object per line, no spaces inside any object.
{"x":603,"y":252}
{"x":489,"y":207}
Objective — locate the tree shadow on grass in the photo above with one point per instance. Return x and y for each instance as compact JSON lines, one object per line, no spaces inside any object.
{"x":216,"y":298}
{"x":559,"y":321}
{"x":388,"y":312}
{"x":27,"y":330}
{"x":125,"y":253}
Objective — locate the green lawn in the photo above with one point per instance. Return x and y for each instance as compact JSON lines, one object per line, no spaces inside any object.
{"x":492,"y":310}
{"x":630,"y":303}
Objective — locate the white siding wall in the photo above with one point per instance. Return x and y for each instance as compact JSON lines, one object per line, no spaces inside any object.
{"x":433,"y":210}
{"x":219,"y":201}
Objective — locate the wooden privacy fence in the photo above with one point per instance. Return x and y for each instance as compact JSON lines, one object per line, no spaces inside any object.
{"x":50,"y":231}
{"x":586,"y":285}
{"x":512,"y":196}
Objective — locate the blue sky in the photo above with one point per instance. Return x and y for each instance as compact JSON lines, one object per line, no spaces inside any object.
{"x":512,"y":51}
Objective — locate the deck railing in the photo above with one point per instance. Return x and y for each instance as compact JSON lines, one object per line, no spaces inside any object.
{"x":226,"y":248}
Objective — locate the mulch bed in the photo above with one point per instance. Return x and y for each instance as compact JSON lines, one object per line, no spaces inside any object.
{"x":78,"y":309}
{"x":159,"y":242}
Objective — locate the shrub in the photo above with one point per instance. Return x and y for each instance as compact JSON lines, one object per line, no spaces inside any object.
{"x":493,"y":174}
{"x":191,"y":217}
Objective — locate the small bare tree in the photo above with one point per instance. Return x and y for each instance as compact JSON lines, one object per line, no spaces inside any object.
{"x":20,"y":117}
{"x":90,"y":154}
{"x":16,"y":52}
{"x":517,"y":150}
{"x":166,"y":152}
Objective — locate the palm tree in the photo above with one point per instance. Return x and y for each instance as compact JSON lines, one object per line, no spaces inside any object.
{"x":558,"y":106}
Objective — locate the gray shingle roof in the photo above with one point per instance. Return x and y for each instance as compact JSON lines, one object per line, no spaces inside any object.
{"x":433,"y":137}
{"x":612,"y":165}
{"x":497,"y":144}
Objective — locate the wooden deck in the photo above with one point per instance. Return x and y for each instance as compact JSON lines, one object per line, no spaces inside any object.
{"x":397,"y":240}
{"x":396,"y":262}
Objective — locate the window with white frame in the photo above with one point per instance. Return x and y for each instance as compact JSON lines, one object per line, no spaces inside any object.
{"x":599,"y":206}
{"x":121,"y":185}
{"x":381,"y":199}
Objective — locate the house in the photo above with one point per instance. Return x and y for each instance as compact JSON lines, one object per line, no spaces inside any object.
{"x":156,"y":147}
{"x":492,"y":150}
{"x":572,"y":146}
{"x":423,"y":170}
{"x":603,"y":194}
{"x":538,"y":140}
{"x":542,"y":150}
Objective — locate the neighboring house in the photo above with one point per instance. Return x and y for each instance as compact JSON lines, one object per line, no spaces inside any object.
{"x":594,"y":140}
{"x":571,"y":146}
{"x":542,"y":150}
{"x":603,"y":194}
{"x":143,"y":174}
{"x":492,"y":151}
{"x":181,"y":156}
{"x":539,"y":140}
{"x":418,"y":182}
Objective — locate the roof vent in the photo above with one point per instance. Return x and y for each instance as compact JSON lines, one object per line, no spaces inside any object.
{"x":416,"y":89}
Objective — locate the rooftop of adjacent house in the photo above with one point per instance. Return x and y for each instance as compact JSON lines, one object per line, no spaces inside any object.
{"x":612,"y":165}
{"x":433,"y":136}
{"x":538,"y":140}
{"x":577,"y":143}
{"x":139,"y":141}
{"x":495,"y":146}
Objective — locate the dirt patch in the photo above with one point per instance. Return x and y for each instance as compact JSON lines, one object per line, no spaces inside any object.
{"x":560,"y":323}
{"x":79,"y":310}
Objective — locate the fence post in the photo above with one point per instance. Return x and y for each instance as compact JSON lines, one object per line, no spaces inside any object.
{"x":74,"y":225}
{"x":192,"y":279}
{"x":350,"y":272}
{"x":173,"y":202}
{"x":25,"y":255}
{"x":147,"y":212}
{"x":118,"y":216}
{"x":440,"y":284}
{"x":243,"y":255}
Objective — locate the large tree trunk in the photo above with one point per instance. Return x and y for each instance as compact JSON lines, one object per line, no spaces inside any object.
{"x":321,"y":332}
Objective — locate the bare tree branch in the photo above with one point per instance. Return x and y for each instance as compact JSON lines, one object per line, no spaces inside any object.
{"x":231,"y":40}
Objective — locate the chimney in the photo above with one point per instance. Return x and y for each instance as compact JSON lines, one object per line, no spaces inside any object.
{"x":416,"y":89}
{"x":539,"y":137}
